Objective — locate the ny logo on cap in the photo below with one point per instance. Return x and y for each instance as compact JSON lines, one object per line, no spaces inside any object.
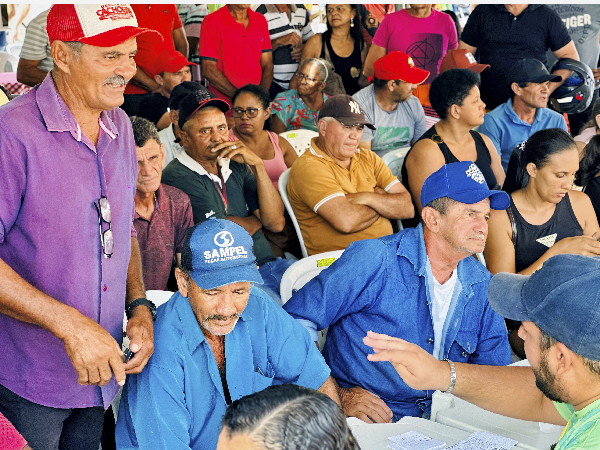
{"x":223,"y":239}
{"x":202,"y":95}
{"x":471,"y":58}
{"x":474,"y":173}
{"x":354,"y":107}
{"x":410,"y":62}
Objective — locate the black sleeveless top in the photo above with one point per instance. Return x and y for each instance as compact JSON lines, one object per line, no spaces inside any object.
{"x":483,"y":161}
{"x":532,"y":241}
{"x":343,"y":66}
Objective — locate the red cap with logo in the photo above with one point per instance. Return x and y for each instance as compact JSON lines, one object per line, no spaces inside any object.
{"x":170,"y":60}
{"x":97,"y":25}
{"x":461,"y":58}
{"x":398,"y":66}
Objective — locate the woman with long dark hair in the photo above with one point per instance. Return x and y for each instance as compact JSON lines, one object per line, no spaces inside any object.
{"x":588,"y":175}
{"x":545,"y":217}
{"x":343,"y":45}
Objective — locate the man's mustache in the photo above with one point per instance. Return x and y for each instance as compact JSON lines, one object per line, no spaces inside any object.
{"x":116,"y":79}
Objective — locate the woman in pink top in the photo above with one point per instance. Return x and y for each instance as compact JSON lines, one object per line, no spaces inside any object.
{"x":250,"y":112}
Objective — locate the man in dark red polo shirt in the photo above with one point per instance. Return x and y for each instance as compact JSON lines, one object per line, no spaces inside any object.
{"x":235,"y":50}
{"x":162,"y":213}
{"x":164,"y":19}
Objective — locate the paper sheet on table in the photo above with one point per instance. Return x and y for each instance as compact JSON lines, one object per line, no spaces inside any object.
{"x":482,"y":440}
{"x":413,"y":440}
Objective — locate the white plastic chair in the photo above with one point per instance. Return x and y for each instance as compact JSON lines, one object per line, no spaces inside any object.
{"x":14,"y":49}
{"x":395,"y":159}
{"x":283,"y":181}
{"x":301,"y":272}
{"x":299,"y":139}
{"x":8,"y":59}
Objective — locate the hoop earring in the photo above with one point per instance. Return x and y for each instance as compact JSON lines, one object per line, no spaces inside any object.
{"x":352,"y":21}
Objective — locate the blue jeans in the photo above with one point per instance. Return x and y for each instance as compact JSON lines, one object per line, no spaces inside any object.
{"x":271,"y":274}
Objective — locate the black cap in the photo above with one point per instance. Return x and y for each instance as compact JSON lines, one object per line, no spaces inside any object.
{"x":197,"y":100}
{"x":345,"y":110}
{"x":529,"y":70}
{"x":180,"y":91}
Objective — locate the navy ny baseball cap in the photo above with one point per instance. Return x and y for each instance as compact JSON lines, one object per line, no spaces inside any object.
{"x":562,"y":299}
{"x":463,"y":182}
{"x":218,"y":252}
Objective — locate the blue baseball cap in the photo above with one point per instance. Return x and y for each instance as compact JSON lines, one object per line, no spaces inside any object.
{"x":218,"y":252}
{"x":463,"y":182}
{"x":562,"y":299}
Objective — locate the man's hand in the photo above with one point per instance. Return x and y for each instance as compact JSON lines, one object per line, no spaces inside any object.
{"x":363,"y":404}
{"x":289,"y":39}
{"x":140,"y":330}
{"x":419,"y":369}
{"x":596,"y":73}
{"x":297,"y":52}
{"x":238,"y":152}
{"x":94,"y":353}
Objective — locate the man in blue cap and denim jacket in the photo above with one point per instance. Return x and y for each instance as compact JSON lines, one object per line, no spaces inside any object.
{"x":216,"y":340}
{"x":420,"y":284}
{"x":559,"y":306}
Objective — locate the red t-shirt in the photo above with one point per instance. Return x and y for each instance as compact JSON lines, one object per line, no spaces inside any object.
{"x":162,"y":18}
{"x":237,"y":50}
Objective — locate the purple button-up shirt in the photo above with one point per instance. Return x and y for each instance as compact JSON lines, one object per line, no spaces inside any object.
{"x":50,"y":176}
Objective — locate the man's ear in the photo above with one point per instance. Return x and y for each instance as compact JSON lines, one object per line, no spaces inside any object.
{"x":515,"y":88}
{"x":185,"y":139}
{"x":391,"y":85}
{"x":174,"y":115}
{"x":561,"y":359}
{"x":182,"y":283}
{"x":431,"y":217}
{"x":62,"y":55}
{"x":322,"y":126}
{"x":159,"y":79}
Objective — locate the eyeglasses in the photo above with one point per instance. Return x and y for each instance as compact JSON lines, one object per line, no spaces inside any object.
{"x":106,"y":237}
{"x":306,"y":78}
{"x":250,"y":112}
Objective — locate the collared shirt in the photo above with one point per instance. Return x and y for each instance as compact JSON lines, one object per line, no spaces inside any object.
{"x":172,"y":148}
{"x":502,"y":39}
{"x":161,"y":237}
{"x":52,"y":175}
{"x":289,"y":107}
{"x":236,"y":50}
{"x":583,"y":428}
{"x":187,"y":175}
{"x":315,"y":178}
{"x":36,"y":45}
{"x":177,"y":402}
{"x":163,"y":18}
{"x":506,"y":129}
{"x":381,"y":285}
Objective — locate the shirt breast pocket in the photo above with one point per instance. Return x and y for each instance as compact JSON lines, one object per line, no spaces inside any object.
{"x":464,"y":345}
{"x":262,"y":378}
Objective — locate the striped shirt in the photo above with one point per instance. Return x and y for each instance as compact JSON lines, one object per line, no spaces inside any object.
{"x":280,"y":25}
{"x":36,"y":45}
{"x":192,"y":17}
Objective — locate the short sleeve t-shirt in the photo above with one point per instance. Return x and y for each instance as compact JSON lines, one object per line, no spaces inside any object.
{"x":426,"y":40}
{"x":36,"y":46}
{"x":394,"y":129}
{"x":235,"y":49}
{"x":162,"y":18}
{"x":502,"y":39}
{"x":293,"y":112}
{"x":315,"y":179}
{"x":583,"y":428}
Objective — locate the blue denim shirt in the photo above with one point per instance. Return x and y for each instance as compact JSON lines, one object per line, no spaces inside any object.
{"x":177,"y":401}
{"x":380,"y":285}
{"x":506,"y":129}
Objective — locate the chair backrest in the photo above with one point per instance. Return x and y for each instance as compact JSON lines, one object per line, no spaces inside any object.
{"x":283,"y":181}
{"x":14,"y":49}
{"x":395,"y":159}
{"x":158,"y":297}
{"x":304,"y":270}
{"x":299,"y":139}
{"x":6,"y":59}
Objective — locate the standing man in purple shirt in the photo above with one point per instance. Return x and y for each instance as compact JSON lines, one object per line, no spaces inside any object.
{"x":69,"y":258}
{"x":162,"y":213}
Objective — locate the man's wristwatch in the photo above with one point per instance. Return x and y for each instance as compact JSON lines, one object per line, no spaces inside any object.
{"x":140,"y":301}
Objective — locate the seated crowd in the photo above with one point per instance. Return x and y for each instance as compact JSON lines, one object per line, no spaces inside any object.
{"x":426,"y":294}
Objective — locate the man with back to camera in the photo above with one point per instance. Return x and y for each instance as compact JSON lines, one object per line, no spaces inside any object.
{"x":69,"y":258}
{"x":421,"y":284}
{"x":559,"y":306}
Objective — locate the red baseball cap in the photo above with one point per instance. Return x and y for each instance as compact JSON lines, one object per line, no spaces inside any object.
{"x":97,"y":25}
{"x":398,"y":66}
{"x":170,"y":60}
{"x":461,"y":58}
